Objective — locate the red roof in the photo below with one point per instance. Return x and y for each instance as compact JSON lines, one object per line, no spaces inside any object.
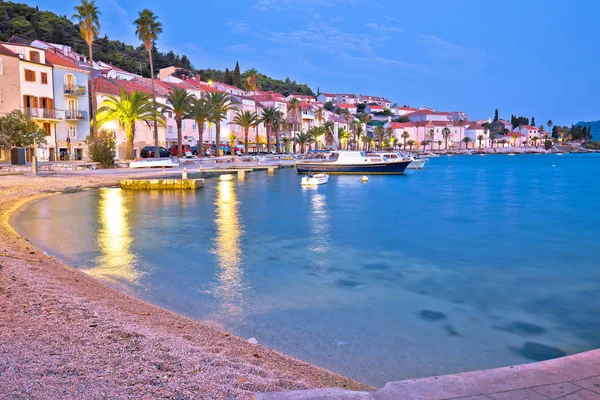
{"x":201,"y":85}
{"x":376,"y":107}
{"x":346,"y":106}
{"x":435,"y":123}
{"x":301,"y":96}
{"x":429,"y":112}
{"x":401,"y":125}
{"x":515,"y":134}
{"x":352,"y":96}
{"x":328,"y":94}
{"x":529,"y":127}
{"x":7,"y":52}
{"x":407,"y":108}
{"x":472,"y":127}
{"x":55,"y":59}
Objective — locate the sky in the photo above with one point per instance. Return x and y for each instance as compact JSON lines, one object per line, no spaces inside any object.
{"x":527,"y":57}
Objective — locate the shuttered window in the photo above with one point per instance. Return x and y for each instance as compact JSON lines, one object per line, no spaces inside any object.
{"x":29,"y":75}
{"x":44,"y":77}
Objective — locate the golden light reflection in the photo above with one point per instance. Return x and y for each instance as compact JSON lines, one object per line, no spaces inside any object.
{"x":227,"y":248}
{"x":116,"y":261}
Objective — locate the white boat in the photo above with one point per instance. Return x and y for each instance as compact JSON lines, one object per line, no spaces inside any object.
{"x":416,"y":163}
{"x":353,"y":162}
{"x":154,"y":162}
{"x":430,"y":155}
{"x":315,"y":179}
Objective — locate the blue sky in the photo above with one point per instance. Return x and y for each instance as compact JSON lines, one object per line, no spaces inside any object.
{"x":527,"y":57}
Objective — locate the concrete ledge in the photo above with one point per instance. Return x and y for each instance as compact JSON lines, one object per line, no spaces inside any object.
{"x":161,"y":184}
{"x":578,"y":374}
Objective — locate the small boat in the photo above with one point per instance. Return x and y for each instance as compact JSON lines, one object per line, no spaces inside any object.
{"x":416,"y":163}
{"x":315,"y":179}
{"x":430,"y":155}
{"x":353,"y":162}
{"x":153,"y":163}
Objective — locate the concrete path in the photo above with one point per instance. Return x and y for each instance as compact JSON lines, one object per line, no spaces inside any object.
{"x":574,"y":377}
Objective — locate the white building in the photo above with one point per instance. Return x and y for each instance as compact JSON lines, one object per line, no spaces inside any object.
{"x":327,"y":97}
{"x":347,"y":99}
{"x":474,"y":131}
{"x":428,"y":115}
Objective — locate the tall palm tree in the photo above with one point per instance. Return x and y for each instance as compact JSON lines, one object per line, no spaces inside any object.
{"x":405,"y":135}
{"x":127,"y":109}
{"x":367,"y":140}
{"x":446,"y":135}
{"x":267,"y":118}
{"x":480,"y":139}
{"x":220,"y":104}
{"x":294,"y":112}
{"x":147,"y":30}
{"x":343,"y":135}
{"x":200,"y":111}
{"x":316,"y":132}
{"x":279,"y":123}
{"x":329,"y":128}
{"x":431,"y":135}
{"x":535,"y":140}
{"x":178,"y":102}
{"x":89,"y":27}
{"x":247,"y":120}
{"x":319,"y":115}
{"x":252,"y":86}
{"x":358,"y":133}
{"x":286,"y":143}
{"x":424,"y":143}
{"x":410,"y":144}
{"x":232,"y":140}
{"x":380,"y":133}
{"x":467,"y":140}
{"x":303,"y":138}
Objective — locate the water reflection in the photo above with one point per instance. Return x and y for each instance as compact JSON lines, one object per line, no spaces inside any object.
{"x":227,"y":248}
{"x":116,"y":261}
{"x":319,"y":223}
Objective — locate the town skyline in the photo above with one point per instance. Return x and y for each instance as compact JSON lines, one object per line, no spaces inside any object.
{"x":438,"y":68}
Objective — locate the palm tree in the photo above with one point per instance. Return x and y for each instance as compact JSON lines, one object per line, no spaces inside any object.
{"x":358,"y":130}
{"x":319,"y":115}
{"x":439,"y":143}
{"x":246,"y":119}
{"x":410,"y":144}
{"x":147,"y":30}
{"x":286,"y":143}
{"x":424,"y":143}
{"x":252,"y":86}
{"x":316,"y":132}
{"x":89,"y":27}
{"x":431,"y":135}
{"x":303,"y":139}
{"x":467,"y":140}
{"x":278,"y":124}
{"x":232,"y":139}
{"x":294,"y":112}
{"x":220,"y":104}
{"x":446,"y":135}
{"x":267,"y":118}
{"x":405,"y":136}
{"x":343,"y":135}
{"x":394,"y":143}
{"x":535,"y":140}
{"x":200,"y":111}
{"x":549,"y":123}
{"x":380,"y":133}
{"x":329,"y":127}
{"x":178,"y":102}
{"x":127,"y":109}
{"x":480,"y":138}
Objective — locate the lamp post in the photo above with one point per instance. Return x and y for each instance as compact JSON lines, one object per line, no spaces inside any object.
{"x":34,"y":166}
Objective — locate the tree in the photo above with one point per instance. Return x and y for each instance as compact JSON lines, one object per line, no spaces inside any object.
{"x":316,"y":132}
{"x":127,"y":109}
{"x":252,"y":86}
{"x":294,"y":113}
{"x":431,"y":135}
{"x":200,"y":111}
{"x":439,"y":143}
{"x":232,"y":139}
{"x":286,"y":143}
{"x":247,"y":120}
{"x":343,"y":135}
{"x":532,"y":121}
{"x":446,"y":135}
{"x":178,"y":102}
{"x":227,"y":77}
{"x":87,"y":15}
{"x":535,"y":140}
{"x":220,"y":104}
{"x":147,"y":30}
{"x":496,"y":115}
{"x":18,"y":130}
{"x":410,"y":144}
{"x":102,"y":147}
{"x":405,"y":135}
{"x":380,"y":133}
{"x":480,"y":138}
{"x":278,"y":124}
{"x":303,"y":138}
{"x":467,"y":140}
{"x":329,"y":106}
{"x":329,"y":128}
{"x":267,"y":118}
{"x":549,"y":123}
{"x":237,"y":78}
{"x":424,"y":143}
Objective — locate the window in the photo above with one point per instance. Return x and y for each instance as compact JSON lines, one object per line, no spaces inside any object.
{"x":170,"y":114}
{"x":72,"y":131}
{"x":29,"y":75}
{"x":34,"y":56}
{"x":170,"y":129}
{"x":193,"y":126}
{"x":48,"y":129}
{"x":44,"y":77}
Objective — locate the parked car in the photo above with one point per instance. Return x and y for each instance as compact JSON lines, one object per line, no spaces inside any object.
{"x":185,"y":148}
{"x":225,"y":149}
{"x":148,"y":152}
{"x":196,"y":148}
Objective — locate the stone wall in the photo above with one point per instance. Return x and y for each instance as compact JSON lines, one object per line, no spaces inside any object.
{"x":161,"y":184}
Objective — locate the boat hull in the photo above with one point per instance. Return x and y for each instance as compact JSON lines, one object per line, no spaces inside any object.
{"x":385,"y":168}
{"x":417,"y":164}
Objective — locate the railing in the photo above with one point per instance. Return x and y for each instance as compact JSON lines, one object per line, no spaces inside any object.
{"x":74,"y":90}
{"x":47,"y":113}
{"x":74,"y":114}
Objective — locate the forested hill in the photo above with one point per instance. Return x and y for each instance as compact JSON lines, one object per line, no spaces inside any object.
{"x":594,"y":128}
{"x":31,"y":23}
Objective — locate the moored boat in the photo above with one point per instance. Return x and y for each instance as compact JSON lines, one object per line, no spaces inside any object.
{"x":416,"y":163}
{"x":314,"y":179}
{"x":354,"y":162}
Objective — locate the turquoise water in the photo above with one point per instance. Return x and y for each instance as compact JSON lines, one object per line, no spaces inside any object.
{"x":474,"y":262}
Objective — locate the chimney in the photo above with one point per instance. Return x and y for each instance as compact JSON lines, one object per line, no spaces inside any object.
{"x":197,"y":79}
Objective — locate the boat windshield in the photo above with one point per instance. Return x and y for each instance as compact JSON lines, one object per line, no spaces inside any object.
{"x":333,"y":157}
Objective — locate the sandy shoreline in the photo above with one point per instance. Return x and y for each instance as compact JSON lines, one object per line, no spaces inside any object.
{"x":66,"y":335}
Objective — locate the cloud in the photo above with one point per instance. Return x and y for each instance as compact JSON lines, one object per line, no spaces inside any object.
{"x":240,"y":48}
{"x":381,"y":28}
{"x":444,"y":48}
{"x":288,"y":4}
{"x":458,"y":60}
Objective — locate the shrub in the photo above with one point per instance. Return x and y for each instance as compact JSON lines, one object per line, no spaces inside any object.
{"x":548,"y":144}
{"x":592,"y":145}
{"x":102,"y":148}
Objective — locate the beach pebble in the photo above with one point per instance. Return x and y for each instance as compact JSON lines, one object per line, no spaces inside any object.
{"x":253,"y":340}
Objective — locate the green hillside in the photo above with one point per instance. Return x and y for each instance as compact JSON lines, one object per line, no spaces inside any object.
{"x":31,"y":23}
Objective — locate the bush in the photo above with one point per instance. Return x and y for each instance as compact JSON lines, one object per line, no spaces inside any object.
{"x":592,"y":145}
{"x":548,"y":144}
{"x":102,"y":148}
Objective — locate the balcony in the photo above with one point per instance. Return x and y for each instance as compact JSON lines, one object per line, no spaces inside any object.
{"x":41,"y":113}
{"x":75,"y":115}
{"x":74,"y":90}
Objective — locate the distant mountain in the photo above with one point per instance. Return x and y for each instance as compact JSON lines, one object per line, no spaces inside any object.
{"x":595,"y":128}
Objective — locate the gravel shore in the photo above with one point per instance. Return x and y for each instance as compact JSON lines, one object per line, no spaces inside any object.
{"x":65,"y":335}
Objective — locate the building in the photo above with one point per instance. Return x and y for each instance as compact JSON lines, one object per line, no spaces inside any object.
{"x":10,"y":87}
{"x":350,"y":107}
{"x":327,"y":97}
{"x":233,"y":90}
{"x":429,"y":115}
{"x":272,"y":99}
{"x":37,"y":94}
{"x":473,"y":131}
{"x":347,"y":99}
{"x":380,"y":101}
{"x":459,"y":116}
{"x":500,"y":127}
{"x":302,"y":97}
{"x":398,"y":129}
{"x":400,"y":111}
{"x":374,"y":109}
{"x":71,"y":95}
{"x":529,"y":133}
